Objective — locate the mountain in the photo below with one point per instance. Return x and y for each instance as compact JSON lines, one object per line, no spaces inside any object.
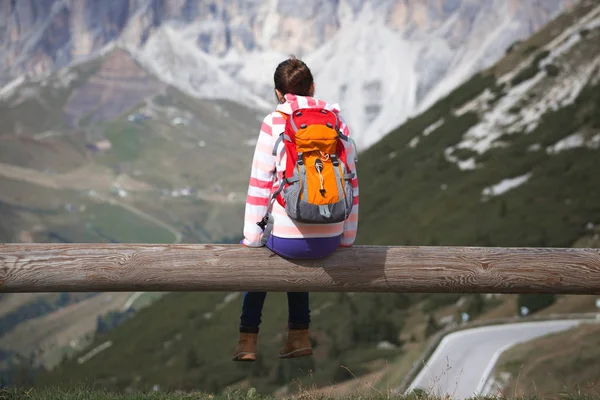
{"x":509,"y":158}
{"x":229,"y":49}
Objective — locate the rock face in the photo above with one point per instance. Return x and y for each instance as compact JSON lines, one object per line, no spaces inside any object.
{"x":119,"y":84}
{"x":381,"y":60}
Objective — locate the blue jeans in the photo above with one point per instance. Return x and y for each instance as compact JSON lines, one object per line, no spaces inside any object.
{"x":298,"y":302}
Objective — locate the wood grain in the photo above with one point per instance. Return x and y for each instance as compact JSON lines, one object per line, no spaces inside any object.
{"x":197,"y":267}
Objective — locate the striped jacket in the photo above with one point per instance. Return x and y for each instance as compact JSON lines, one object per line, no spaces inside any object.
{"x":266,"y":175}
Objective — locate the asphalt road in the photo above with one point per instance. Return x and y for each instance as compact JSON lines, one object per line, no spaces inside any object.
{"x":463,"y":361}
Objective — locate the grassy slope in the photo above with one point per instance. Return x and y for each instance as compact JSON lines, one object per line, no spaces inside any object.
{"x":44,"y":217}
{"x":544,"y":35}
{"x":552,"y":209}
{"x":91,"y":394}
{"x":51,"y":334}
{"x":175,"y":346}
{"x":172,"y":344}
{"x":36,"y":138}
{"x":559,"y":363}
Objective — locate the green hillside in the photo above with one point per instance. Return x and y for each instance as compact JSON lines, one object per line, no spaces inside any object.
{"x":184,"y":342}
{"x":434,"y":202}
{"x":544,"y":367}
{"x":104,"y":152}
{"x":552,"y":209}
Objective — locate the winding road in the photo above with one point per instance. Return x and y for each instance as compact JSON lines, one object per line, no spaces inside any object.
{"x":463,"y":363}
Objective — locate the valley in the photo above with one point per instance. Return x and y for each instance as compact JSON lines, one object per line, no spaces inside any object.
{"x":140,"y":172}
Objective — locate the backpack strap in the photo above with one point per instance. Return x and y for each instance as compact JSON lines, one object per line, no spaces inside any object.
{"x":266,"y":223}
{"x":282,"y":135}
{"x":351,"y":142}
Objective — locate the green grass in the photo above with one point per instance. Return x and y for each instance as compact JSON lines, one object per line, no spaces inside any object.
{"x":545,"y":366}
{"x":125,"y":142}
{"x":542,"y":37}
{"x":154,"y":152}
{"x":100,"y":222}
{"x":251,"y":394}
{"x":175,"y":345}
{"x":123,"y":226}
{"x":37,"y":307}
{"x":146,"y":299}
{"x":550,"y":210}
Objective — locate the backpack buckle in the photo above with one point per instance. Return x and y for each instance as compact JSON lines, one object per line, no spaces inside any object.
{"x":334,"y":160}
{"x":263,"y":222}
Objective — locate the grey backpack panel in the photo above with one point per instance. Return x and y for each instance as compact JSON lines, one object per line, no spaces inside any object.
{"x":302,"y":211}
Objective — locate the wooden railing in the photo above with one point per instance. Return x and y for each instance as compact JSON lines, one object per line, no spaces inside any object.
{"x":197,"y":267}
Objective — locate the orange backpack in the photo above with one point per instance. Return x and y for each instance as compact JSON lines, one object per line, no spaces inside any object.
{"x":316,"y":186}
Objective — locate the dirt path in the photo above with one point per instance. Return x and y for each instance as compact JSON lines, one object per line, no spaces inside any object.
{"x":141,"y":214}
{"x":87,"y":177}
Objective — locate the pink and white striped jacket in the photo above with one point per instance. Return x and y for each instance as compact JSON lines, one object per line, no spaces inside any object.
{"x":266,"y":175}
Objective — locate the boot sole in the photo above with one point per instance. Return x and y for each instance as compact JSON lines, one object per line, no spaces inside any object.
{"x":244,"y":357}
{"x":297,"y":353}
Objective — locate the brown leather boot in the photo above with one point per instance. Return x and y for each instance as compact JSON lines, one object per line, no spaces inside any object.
{"x":297,"y":344}
{"x":246,"y":348}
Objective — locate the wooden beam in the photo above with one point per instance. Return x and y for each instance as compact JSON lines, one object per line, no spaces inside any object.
{"x":197,"y":267}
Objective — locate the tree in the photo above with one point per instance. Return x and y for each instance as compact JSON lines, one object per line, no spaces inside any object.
{"x":503,"y":209}
{"x":284,"y":375}
{"x":431,"y":327}
{"x":334,"y":350}
{"x":400,"y":301}
{"x":63,"y":360}
{"x":100,"y":325}
{"x":552,"y":70}
{"x":374,"y":321}
{"x":259,"y":369}
{"x":434,"y":242}
{"x":535,"y":302}
{"x":476,"y":305}
{"x":191,"y":360}
{"x":63,"y":299}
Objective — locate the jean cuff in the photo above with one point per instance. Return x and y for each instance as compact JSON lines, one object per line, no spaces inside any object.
{"x":295,"y":326}
{"x":249,"y":329}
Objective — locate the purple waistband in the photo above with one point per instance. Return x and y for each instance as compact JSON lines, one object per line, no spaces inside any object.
{"x":305,"y":248}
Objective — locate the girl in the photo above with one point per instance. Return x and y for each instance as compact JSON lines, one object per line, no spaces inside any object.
{"x":294,"y":88}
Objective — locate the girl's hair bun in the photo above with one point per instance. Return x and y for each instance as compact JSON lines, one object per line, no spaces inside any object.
{"x":293,"y":76}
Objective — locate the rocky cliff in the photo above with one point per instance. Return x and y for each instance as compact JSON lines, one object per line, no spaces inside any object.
{"x":381,"y":60}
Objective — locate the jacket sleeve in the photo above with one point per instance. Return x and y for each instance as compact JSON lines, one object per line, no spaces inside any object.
{"x":351,"y":224}
{"x":261,"y":181}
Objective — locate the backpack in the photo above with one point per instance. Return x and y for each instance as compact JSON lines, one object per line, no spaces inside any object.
{"x":316,"y":186}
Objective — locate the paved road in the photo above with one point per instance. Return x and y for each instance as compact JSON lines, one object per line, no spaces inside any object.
{"x":462,"y":363}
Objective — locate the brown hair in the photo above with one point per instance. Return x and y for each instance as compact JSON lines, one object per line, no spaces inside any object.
{"x":293,"y":76}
